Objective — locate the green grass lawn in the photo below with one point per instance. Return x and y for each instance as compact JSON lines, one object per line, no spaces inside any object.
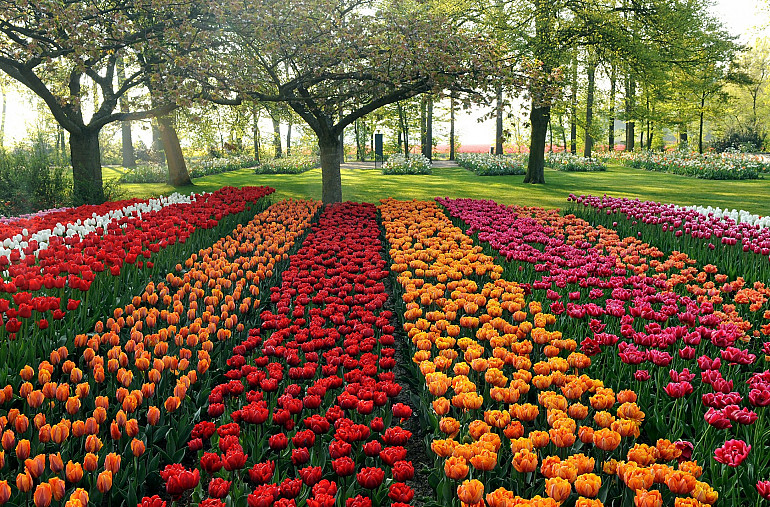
{"x":370,"y":186}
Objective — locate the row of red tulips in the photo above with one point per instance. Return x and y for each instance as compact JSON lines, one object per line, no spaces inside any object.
{"x":304,"y":414}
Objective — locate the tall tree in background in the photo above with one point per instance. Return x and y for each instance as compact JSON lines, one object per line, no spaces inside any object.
{"x":40,"y":40}
{"x":344,"y":61}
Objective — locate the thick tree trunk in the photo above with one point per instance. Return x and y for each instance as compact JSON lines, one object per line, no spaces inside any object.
{"x":288,"y":141}
{"x":86,"y":168}
{"x":499,"y":123}
{"x":331,"y":182}
{"x":590,"y":109}
{"x":429,"y":130}
{"x":563,"y":132}
{"x":535,"y":168}
{"x":277,"y":137}
{"x":682,"y":137}
{"x":611,"y":129}
{"x":650,"y":133}
{"x":177,"y":168}
{"x":127,"y":143}
{"x":452,"y":126}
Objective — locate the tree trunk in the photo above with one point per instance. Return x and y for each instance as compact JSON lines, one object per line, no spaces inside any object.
{"x":573,"y":111}
{"x":357,"y":133}
{"x":563,"y":132}
{"x":649,"y":135}
{"x":62,"y":145}
{"x":700,"y":124}
{"x":331,"y":187}
{"x":550,"y":135}
{"x":611,"y":129}
{"x":590,"y":109}
{"x":499,"y":124}
{"x":288,"y":141}
{"x":255,"y":131}
{"x":535,"y":168}
{"x":2,"y":114}
{"x":423,"y":124}
{"x":157,"y":144}
{"x":429,"y":129}
{"x":452,"y":126}
{"x":629,"y":111}
{"x":127,"y":144}
{"x":404,"y":129}
{"x":277,"y":137}
{"x":177,"y":168}
{"x":86,"y":168}
{"x":682,"y":137}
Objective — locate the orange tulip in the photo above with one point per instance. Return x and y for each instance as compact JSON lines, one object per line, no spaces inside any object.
{"x":58,"y":487}
{"x":540,"y":438}
{"x":455,"y":467}
{"x":449,"y":425}
{"x":500,"y":497}
{"x":606,"y":439}
{"x":73,"y":405}
{"x":80,"y":495}
{"x":5,"y":492}
{"x":470,"y":492}
{"x":525,"y":461}
{"x":132,"y":428}
{"x":153,"y":415}
{"x":104,"y":481}
{"x":588,"y":502}
{"x":2,"y":459}
{"x":59,"y":433}
{"x":23,"y":449}
{"x":8,"y":440}
{"x":112,"y":462}
{"x":645,"y":498}
{"x":43,"y":495}
{"x":24,"y":481}
{"x":73,"y":472}
{"x":44,"y":433}
{"x":93,"y":443}
{"x":91,"y":462}
{"x":557,"y":488}
{"x":137,"y":447}
{"x":485,"y":460}
{"x":36,"y":466}
{"x":588,"y":485}
{"x":680,"y":483}
{"x":115,"y":432}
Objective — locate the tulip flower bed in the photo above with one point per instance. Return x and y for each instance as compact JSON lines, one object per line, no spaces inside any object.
{"x":117,"y":403}
{"x":101,"y":261}
{"x":740,"y":248}
{"x":523,"y":419}
{"x":658,"y":323}
{"x":304,"y":415}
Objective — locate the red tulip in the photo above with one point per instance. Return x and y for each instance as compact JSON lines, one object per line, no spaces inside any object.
{"x":370,"y":477}
{"x":732,"y":453}
{"x":219,"y":488}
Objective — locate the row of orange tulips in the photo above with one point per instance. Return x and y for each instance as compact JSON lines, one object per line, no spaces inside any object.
{"x":512,"y":406}
{"x":138,"y":381}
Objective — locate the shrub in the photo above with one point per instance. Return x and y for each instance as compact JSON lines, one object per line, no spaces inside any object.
{"x":572,"y":163}
{"x":289,"y":165}
{"x":31,"y":181}
{"x":157,"y":173}
{"x":485,"y":164}
{"x":742,"y":139}
{"x":399,"y":164}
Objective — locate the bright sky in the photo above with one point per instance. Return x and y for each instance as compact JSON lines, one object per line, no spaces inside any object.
{"x":746,"y":18}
